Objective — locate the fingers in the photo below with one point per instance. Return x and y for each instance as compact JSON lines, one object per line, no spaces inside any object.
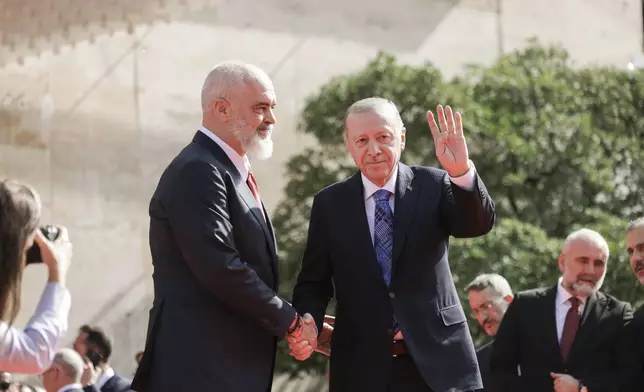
{"x":458,"y":124}
{"x":449,"y":116}
{"x":308,"y":319}
{"x":432,"y":125}
{"x":329,"y":319}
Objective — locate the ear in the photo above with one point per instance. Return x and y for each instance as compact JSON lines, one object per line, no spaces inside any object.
{"x":509,"y":298}
{"x":221,"y":109}
{"x":403,"y":138}
{"x":561,"y":261}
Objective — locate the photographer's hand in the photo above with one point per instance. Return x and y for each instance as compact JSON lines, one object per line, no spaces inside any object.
{"x":56,"y":255}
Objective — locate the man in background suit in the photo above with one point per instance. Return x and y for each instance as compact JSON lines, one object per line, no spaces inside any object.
{"x":65,"y":372}
{"x":399,"y":323}
{"x":567,"y":336}
{"x":489,"y":296}
{"x":97,"y":348}
{"x":216,"y":317}
{"x":635,"y":249}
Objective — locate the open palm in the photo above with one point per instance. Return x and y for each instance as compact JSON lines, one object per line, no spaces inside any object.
{"x":451,"y":149}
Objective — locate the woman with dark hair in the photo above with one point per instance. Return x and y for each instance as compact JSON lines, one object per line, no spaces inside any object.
{"x":30,"y":351}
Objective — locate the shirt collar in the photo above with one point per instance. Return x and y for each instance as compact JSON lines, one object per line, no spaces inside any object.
{"x":69,"y":387}
{"x":242,"y":164}
{"x":563,"y":295}
{"x":370,"y":188}
{"x":105,"y":376}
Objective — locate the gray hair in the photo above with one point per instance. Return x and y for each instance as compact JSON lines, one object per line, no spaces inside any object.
{"x":495,"y":282}
{"x":586,"y":235}
{"x":635,"y":224}
{"x":375,"y":104}
{"x":70,"y":363}
{"x":225,"y":76}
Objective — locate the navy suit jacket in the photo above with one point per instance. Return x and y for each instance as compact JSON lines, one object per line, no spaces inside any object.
{"x":216,"y":318}
{"x":340,"y":261}
{"x":116,"y":383}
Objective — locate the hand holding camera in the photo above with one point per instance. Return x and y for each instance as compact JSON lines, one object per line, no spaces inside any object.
{"x":53,"y":248}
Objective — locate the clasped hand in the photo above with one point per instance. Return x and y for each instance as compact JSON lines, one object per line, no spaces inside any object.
{"x":304,"y":339}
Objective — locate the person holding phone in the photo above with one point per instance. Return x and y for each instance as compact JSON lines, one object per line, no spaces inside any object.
{"x":32,"y":350}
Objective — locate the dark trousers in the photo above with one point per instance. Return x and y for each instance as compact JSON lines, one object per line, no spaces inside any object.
{"x":404,"y":376}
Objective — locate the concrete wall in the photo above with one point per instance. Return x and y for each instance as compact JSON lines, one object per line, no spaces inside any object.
{"x":97,"y":123}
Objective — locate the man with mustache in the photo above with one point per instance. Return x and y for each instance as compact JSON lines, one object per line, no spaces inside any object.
{"x":216,"y":317}
{"x":378,"y":241}
{"x":489,"y":296}
{"x":568,"y":336}
{"x":635,"y":249}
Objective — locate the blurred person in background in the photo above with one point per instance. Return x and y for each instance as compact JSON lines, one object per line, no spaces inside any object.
{"x":65,"y":373}
{"x":489,"y":296}
{"x":97,"y":348}
{"x":32,"y":350}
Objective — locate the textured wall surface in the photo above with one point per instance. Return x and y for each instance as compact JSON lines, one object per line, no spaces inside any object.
{"x":91,"y":113}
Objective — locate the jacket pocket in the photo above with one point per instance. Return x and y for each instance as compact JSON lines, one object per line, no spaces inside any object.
{"x":452,"y":315}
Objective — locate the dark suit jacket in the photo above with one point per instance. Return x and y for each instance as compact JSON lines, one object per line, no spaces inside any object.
{"x":636,"y":334}
{"x":483,"y":357}
{"x":216,"y":317}
{"x":528,"y":337}
{"x":116,"y":383}
{"x":340,"y":259}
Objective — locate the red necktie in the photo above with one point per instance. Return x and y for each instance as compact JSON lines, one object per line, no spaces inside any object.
{"x":570,"y":327}
{"x":252,"y":184}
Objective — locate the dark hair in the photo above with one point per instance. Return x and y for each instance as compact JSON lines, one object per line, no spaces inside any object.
{"x":19,"y":218}
{"x":98,"y":341}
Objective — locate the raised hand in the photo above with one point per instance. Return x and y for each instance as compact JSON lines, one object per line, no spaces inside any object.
{"x":304,"y":339}
{"x":451,"y":149}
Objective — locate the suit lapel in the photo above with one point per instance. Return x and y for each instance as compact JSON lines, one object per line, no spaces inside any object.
{"x":242,"y":189}
{"x":405,"y":203}
{"x":589,"y":320}
{"x":550,"y":322}
{"x":354,"y":211}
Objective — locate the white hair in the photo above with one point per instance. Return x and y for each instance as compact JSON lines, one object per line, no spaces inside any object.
{"x":495,"y":282}
{"x":636,"y":224}
{"x":586,"y":235}
{"x":375,"y":105}
{"x":70,"y":363}
{"x":225,"y":76}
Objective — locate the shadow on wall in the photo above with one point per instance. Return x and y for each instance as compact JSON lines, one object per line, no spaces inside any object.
{"x":399,"y":26}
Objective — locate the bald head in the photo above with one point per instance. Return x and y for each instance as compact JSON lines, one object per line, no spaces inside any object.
{"x":586,"y":236}
{"x":225,"y":77}
{"x":70,"y":363}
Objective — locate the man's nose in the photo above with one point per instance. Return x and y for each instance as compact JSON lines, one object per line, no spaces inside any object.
{"x":374,"y":148}
{"x":270,"y":116}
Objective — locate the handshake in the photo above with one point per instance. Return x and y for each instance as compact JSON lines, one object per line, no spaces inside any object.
{"x":303,"y":337}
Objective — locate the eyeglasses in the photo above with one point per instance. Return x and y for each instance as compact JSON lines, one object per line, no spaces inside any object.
{"x":485,"y":307}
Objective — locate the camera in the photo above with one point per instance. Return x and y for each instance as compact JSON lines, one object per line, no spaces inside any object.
{"x":33,"y":254}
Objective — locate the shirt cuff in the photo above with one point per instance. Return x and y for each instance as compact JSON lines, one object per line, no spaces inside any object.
{"x":466,"y":181}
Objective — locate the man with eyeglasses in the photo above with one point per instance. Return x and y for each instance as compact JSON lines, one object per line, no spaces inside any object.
{"x":489,"y":296}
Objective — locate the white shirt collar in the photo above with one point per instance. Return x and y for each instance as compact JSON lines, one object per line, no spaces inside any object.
{"x":563,"y":295}
{"x":370,"y":188}
{"x":242,"y":163}
{"x":70,"y":387}
{"x":106,"y":375}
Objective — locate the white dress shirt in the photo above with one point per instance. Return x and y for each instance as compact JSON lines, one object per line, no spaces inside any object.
{"x":32,"y":351}
{"x":562,"y":305}
{"x":465,"y":181}
{"x":70,"y":387}
{"x":242,"y":163}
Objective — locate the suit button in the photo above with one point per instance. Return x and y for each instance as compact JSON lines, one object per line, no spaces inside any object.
{"x":392,"y":295}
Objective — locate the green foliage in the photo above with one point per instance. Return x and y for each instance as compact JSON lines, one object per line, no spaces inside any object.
{"x":559,"y":147}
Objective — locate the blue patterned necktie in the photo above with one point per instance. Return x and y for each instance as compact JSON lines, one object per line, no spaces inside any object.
{"x":383,"y":233}
{"x":383,"y":238}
